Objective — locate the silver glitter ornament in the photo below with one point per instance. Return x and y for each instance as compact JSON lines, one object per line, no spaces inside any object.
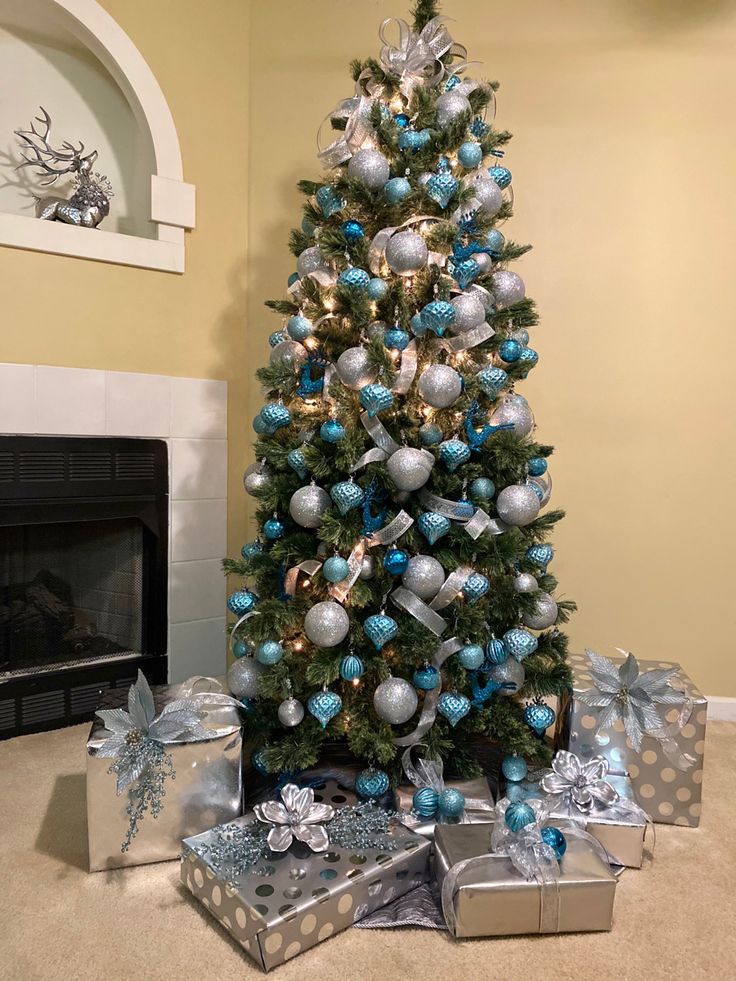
{"x":485,"y":262}
{"x":368,"y":567}
{"x":288,"y":353}
{"x":410,"y":469}
{"x":291,"y":712}
{"x":440,"y":385}
{"x":311,"y":260}
{"x":526,"y":583}
{"x":515,"y":410}
{"x":469,"y":312}
{"x":544,"y":615}
{"x":354,"y":368}
{"x":424,"y":576}
{"x":395,"y":701}
{"x":450,"y":106}
{"x":517,"y":505}
{"x":243,"y":677}
{"x":256,"y":478}
{"x":507,"y":287}
{"x":510,"y":672}
{"x":406,"y":252}
{"x":326,"y":624}
{"x":488,"y":194}
{"x":308,"y":504}
{"x":370,"y":167}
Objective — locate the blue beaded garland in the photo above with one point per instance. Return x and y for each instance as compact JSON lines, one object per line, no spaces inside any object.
{"x":332,"y":431}
{"x":351,"y":668}
{"x":377,"y":289}
{"x":335,"y":569}
{"x":556,"y":841}
{"x":451,"y":803}
{"x":395,"y":561}
{"x":397,"y":189}
{"x":470,"y":155}
{"x":518,"y":815}
{"x":537,"y":466}
{"x":425,"y":801}
{"x":269,"y":652}
{"x":482,"y":489}
{"x":426,"y":678}
{"x":510,"y":351}
{"x":371,"y":784}
{"x":514,"y":768}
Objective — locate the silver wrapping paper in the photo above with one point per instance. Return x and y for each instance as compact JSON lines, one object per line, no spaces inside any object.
{"x":478,"y":810}
{"x":207,"y":790}
{"x":668,"y":794}
{"x":304,"y":897}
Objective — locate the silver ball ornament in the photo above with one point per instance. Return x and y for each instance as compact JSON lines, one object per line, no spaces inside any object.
{"x":308,"y":504}
{"x":326,"y":624}
{"x":370,"y":167}
{"x":469,"y":312}
{"x":440,"y":385}
{"x":511,"y":672}
{"x":485,"y":262}
{"x":525,"y":582}
{"x":450,"y":106}
{"x":488,"y":194}
{"x":291,"y":712}
{"x":515,"y":410}
{"x":354,"y":368}
{"x":368,"y":567}
{"x":544,"y":615}
{"x":517,"y":505}
{"x":243,"y":677}
{"x":507,"y":287}
{"x":256,"y":478}
{"x":424,"y":576}
{"x":406,"y":252}
{"x":409,"y":468}
{"x":311,"y":260}
{"x":395,"y":701}
{"x":288,"y":353}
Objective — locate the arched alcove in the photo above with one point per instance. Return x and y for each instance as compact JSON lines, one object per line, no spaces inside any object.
{"x":71,"y":57}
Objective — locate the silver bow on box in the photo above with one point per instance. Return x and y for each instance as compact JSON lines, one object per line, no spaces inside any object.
{"x":297,"y":817}
{"x":583,"y":783}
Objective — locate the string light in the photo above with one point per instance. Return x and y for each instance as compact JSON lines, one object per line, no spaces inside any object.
{"x":298,"y":645}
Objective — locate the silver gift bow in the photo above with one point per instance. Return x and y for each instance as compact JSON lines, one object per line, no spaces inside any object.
{"x":297,"y":817}
{"x":622,"y":692}
{"x":582,"y":782}
{"x":415,"y":60}
{"x":428,"y":772}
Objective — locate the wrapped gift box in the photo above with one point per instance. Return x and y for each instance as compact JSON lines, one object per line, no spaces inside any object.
{"x":478,"y":806}
{"x":493,"y":899}
{"x":290,"y":901}
{"x":671,"y":795}
{"x":207,"y":788}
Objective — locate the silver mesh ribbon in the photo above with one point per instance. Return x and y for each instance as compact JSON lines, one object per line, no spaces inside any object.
{"x":429,"y":709}
{"x":451,"y":587}
{"x":545,"y":486}
{"x":308,"y":567}
{"x":357,"y":115}
{"x":384,"y":536}
{"x":410,"y":603}
{"x":464,"y":342}
{"x":408,"y":369}
{"x":379,"y":434}
{"x":474,"y":520}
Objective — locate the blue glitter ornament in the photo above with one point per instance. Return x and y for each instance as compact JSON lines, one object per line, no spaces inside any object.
{"x":347,"y":495}
{"x":397,"y":189}
{"x":299,"y":328}
{"x":426,"y":678}
{"x":395,"y":561}
{"x":377,"y":288}
{"x":308,"y":226}
{"x":376,"y":398}
{"x":475,"y":586}
{"x":269,"y":652}
{"x":258,"y":761}
{"x":241,"y":602}
{"x":295,"y":459}
{"x":451,"y":803}
{"x":441,"y":188}
{"x":495,"y":241}
{"x":324,"y":705}
{"x":352,"y":230}
{"x":496,"y":652}
{"x":438,"y":316}
{"x":433,"y":526}
{"x":380,"y":629}
{"x":556,"y":841}
{"x":463,"y":271}
{"x":259,"y":426}
{"x":492,"y":380}
{"x":402,"y":120}
{"x":452,"y":83}
{"x":396,"y":339}
{"x":540,"y":556}
{"x":425,"y":801}
{"x":430,"y":434}
{"x":482,"y":489}
{"x":470,"y":155}
{"x":538,"y":490}
{"x":510,"y":351}
{"x":371,"y":784}
{"x":273,"y":529}
{"x":275,"y":416}
{"x":329,"y":201}
{"x":252,"y":548}
{"x":514,"y":768}
{"x":539,"y":717}
{"x":332,"y":431}
{"x":518,"y":815}
{"x":471,"y":656}
{"x":528,"y":357}
{"x":520,"y":643}
{"x":537,"y":466}
{"x":335,"y":569}
{"x":453,"y":453}
{"x":453,"y":706}
{"x":501,"y":175}
{"x":241,"y":648}
{"x":417,"y":325}
{"x":517,"y":791}
{"x":351,"y":668}
{"x":354,"y":278}
{"x":294,"y":278}
{"x":479,"y":128}
{"x":276,"y":338}
{"x":414,"y":142}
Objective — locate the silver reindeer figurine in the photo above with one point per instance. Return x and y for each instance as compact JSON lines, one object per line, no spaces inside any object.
{"x":90,"y":202}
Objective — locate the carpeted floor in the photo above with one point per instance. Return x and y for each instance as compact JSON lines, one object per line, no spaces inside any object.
{"x":674,"y":920}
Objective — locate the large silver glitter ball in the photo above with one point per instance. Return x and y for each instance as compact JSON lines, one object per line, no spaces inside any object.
{"x":469,"y":312}
{"x":311,"y":260}
{"x":256,"y":478}
{"x":368,"y":567}
{"x":406,"y":252}
{"x":354,"y":368}
{"x":424,"y":576}
{"x":409,"y":468}
{"x":515,"y":410}
{"x":511,"y":672}
{"x":517,"y":505}
{"x":507,"y":287}
{"x":291,"y":712}
{"x":544,"y":615}
{"x":485,"y":263}
{"x":440,"y":385}
{"x":326,"y":624}
{"x":288,"y":353}
{"x":308,"y":504}
{"x":450,"y":106}
{"x":487,"y":193}
{"x":370,"y":167}
{"x":243,"y":677}
{"x":395,"y":701}
{"x":525,"y":582}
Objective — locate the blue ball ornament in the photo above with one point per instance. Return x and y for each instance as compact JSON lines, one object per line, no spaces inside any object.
{"x":276,"y":338}
{"x":396,"y":339}
{"x":470,"y":155}
{"x":273,"y":529}
{"x":335,"y":569}
{"x":299,"y":328}
{"x":518,"y":815}
{"x":418,"y":327}
{"x":556,"y":841}
{"x":517,"y":791}
{"x":352,"y":230}
{"x":426,"y":678}
{"x":308,"y":226}
{"x":510,"y":351}
{"x":395,"y":561}
{"x":241,"y":648}
{"x":241,"y":602}
{"x":332,"y":431}
{"x":451,"y":803}
{"x":495,"y":240}
{"x":537,"y":466}
{"x":252,"y":548}
{"x":528,"y":357}
{"x":259,"y":426}
{"x":537,"y":490}
{"x":351,"y":668}
{"x":471,"y":656}
{"x":501,"y":175}
{"x":397,"y":189}
{"x":425,"y":802}
{"x":377,"y":289}
{"x":258,"y":761}
{"x":402,"y":120}
{"x":430,"y":434}
{"x":269,"y":652}
{"x":496,"y":652}
{"x":514,"y":768}
{"x":294,"y":278}
{"x":539,"y":717}
{"x":482,"y":489}
{"x":371,"y":784}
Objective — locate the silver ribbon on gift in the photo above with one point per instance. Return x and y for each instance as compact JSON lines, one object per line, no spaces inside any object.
{"x":475,"y":521}
{"x":428,"y":772}
{"x":623,"y":692}
{"x":296,"y":816}
{"x":415,"y":60}
{"x":429,"y":709}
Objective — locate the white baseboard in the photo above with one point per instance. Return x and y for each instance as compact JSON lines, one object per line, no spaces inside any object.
{"x":721,"y":709}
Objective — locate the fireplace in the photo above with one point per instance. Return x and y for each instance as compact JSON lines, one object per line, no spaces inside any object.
{"x":83,"y":574}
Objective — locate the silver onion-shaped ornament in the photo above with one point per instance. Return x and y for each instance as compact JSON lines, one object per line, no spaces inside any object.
{"x":517,"y":505}
{"x":487,"y":193}
{"x":354,"y":368}
{"x":423,"y":576}
{"x":514,"y":410}
{"x":525,"y":582}
{"x":256,"y":477}
{"x":291,"y":712}
{"x":544,"y":615}
{"x":450,"y":106}
{"x":469,"y":312}
{"x":406,"y":252}
{"x":510,"y":672}
{"x":440,"y":385}
{"x":370,"y":167}
{"x":395,"y":701}
{"x":368,"y":567}
{"x":243,"y":677}
{"x":409,"y":468}
{"x":326,"y":624}
{"x":308,"y":504}
{"x":311,"y":260}
{"x":289,"y":353}
{"x":507,"y":287}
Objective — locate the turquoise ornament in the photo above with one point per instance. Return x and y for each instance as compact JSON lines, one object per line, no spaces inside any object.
{"x":353,"y":230}
{"x":412,"y":141}
{"x":417,"y":325}
{"x":258,"y":762}
{"x":470,"y":155}
{"x":539,"y":717}
{"x":482,"y":489}
{"x":252,"y":548}
{"x":308,"y":226}
{"x":351,"y":668}
{"x":241,"y":648}
{"x":463,"y":271}
{"x":371,"y":784}
{"x":453,"y":453}
{"x":518,"y":815}
{"x":380,"y":629}
{"x":452,"y":83}
{"x":276,"y":338}
{"x":520,"y":643}
{"x":471,"y":656}
{"x":329,"y":201}
{"x":347,"y":495}
{"x":495,"y":241}
{"x":540,"y":556}
{"x":273,"y":529}
{"x":538,"y":490}
{"x":425,"y":801}
{"x":441,"y":188}
{"x":324,"y":705}
{"x":294,"y":278}
{"x":332,"y":431}
{"x":241,"y":602}
{"x":275,"y":416}
{"x":479,"y":128}
{"x":537,"y":466}
{"x":402,"y":120}
{"x":396,"y":339}
{"x":354,"y":278}
{"x":395,"y":561}
{"x":501,"y":175}
{"x":438,"y":316}
{"x":426,"y":678}
{"x":259,"y":426}
{"x":517,"y":791}
{"x":556,"y":841}
{"x":397,"y":189}
{"x":475,"y":586}
{"x":376,"y":398}
{"x":430,"y":434}
{"x":299,"y":328}
{"x":496,"y":652}
{"x":514,"y":768}
{"x":453,"y":706}
{"x":295,"y":459}
{"x":433,"y":526}
{"x":377,"y":288}
{"x":528,"y":357}
{"x":492,"y":380}
{"x":451,"y":803}
{"x":335,"y":569}
{"x":269,"y":652}
{"x":510,"y":351}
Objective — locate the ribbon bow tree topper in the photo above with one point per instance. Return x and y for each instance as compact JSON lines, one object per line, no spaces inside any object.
{"x":583,"y":782}
{"x":297,"y":817}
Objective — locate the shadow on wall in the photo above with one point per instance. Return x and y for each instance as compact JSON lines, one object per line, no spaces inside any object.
{"x":671,"y":15}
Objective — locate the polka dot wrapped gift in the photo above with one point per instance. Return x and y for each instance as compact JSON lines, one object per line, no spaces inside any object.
{"x":663,"y":756}
{"x":279,"y":903}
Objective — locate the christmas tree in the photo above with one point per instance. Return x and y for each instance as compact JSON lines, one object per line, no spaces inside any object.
{"x":399,"y":587}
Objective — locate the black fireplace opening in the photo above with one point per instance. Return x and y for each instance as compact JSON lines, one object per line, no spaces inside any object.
{"x":83,"y":574}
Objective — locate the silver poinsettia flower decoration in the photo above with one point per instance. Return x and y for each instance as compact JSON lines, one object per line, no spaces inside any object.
{"x":583,"y":783}
{"x":297,"y":817}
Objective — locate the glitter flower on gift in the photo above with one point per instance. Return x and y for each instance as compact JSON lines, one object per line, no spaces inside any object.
{"x":583,"y":783}
{"x":297,"y":817}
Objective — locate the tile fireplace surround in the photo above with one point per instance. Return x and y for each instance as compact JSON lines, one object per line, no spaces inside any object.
{"x":190,"y":415}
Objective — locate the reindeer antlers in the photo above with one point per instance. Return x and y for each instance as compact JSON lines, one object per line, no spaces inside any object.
{"x":44,"y":154}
